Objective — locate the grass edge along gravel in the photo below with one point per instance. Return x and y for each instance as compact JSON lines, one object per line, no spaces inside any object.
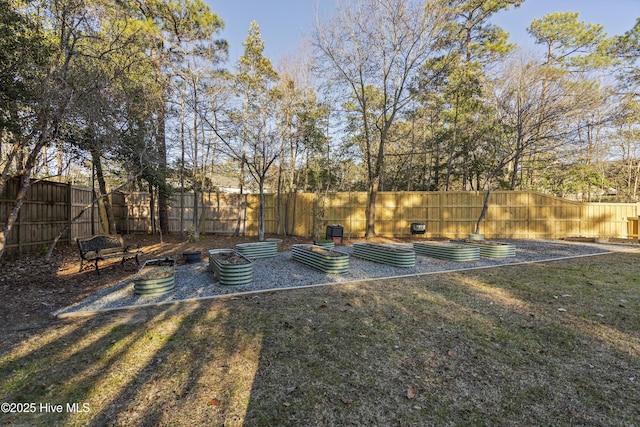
{"x":195,"y":284}
{"x":553,"y":343}
{"x":83,"y":313}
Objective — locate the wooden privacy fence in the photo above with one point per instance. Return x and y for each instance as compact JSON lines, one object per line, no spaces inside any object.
{"x":217,"y":213}
{"x":51,"y":206}
{"x":511,"y":214}
{"x":48,"y":208}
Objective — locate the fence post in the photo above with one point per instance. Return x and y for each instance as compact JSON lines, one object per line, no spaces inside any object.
{"x":69,"y":211}
{"x":18,"y":227}
{"x":441,"y":196}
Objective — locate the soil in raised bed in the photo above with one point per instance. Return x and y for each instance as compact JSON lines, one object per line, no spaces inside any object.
{"x":230,"y":258}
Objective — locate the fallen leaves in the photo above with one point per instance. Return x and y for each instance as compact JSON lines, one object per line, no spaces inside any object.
{"x":287,"y":325}
{"x":412,"y":392}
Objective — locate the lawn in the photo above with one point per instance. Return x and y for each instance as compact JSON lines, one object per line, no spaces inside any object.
{"x":555,"y":343}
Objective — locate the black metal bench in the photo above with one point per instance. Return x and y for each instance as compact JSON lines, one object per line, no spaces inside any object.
{"x":104,"y":246}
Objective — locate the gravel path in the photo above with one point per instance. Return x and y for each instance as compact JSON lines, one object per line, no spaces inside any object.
{"x":197,"y":281}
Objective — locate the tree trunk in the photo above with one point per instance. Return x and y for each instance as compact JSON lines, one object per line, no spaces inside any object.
{"x":261,"y":211}
{"x":196,"y":226}
{"x":152,"y":209}
{"x":483,"y":213}
{"x":183,"y":232}
{"x":13,"y":214}
{"x":163,"y":196}
{"x":104,"y":204}
{"x":29,"y":164}
{"x":279,"y":219}
{"x":371,"y":207}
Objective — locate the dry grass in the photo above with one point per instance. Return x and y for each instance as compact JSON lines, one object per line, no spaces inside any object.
{"x":488,"y":347}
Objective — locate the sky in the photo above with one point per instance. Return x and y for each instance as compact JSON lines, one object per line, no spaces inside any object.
{"x":284,"y":22}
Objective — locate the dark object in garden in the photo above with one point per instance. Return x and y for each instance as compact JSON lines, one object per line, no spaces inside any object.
{"x":104,"y":246}
{"x":191,"y":257}
{"x":335,"y":232}
{"x":418,"y":228}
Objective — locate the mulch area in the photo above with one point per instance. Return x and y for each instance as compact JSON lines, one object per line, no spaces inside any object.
{"x":32,"y":288}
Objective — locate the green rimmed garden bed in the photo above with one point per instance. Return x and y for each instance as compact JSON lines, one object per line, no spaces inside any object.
{"x":385,"y":254}
{"x":156,"y":277}
{"x":323,"y":259}
{"x":447,"y":250}
{"x":231,"y":267}
{"x":255,"y":250}
{"x":325,"y":243}
{"x":490,"y":249}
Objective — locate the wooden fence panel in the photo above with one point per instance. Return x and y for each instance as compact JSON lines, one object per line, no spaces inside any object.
{"x":47,"y":210}
{"x":119,"y":209}
{"x":81,"y":197}
{"x":301,"y":214}
{"x":217,"y":212}
{"x":222,"y":212}
{"x":253,"y":209}
{"x":346,"y":209}
{"x":138,"y":217}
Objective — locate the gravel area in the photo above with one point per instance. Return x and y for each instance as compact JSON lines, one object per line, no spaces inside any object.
{"x":195,"y":281}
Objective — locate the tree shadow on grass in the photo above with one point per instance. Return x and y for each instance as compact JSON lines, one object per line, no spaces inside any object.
{"x":474,"y":348}
{"x":140,"y":367}
{"x":485,"y":347}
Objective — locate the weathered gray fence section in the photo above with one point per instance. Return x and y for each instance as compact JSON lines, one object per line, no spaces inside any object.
{"x":217,"y":213}
{"x":48,"y":208}
{"x":51,"y":206}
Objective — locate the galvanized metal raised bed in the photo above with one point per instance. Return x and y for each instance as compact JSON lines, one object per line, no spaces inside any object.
{"x":325,"y":243}
{"x":490,"y":249}
{"x":447,"y":250}
{"x":255,"y":250}
{"x":156,"y":277}
{"x":230,"y":267}
{"x":385,"y":254}
{"x":323,"y":259}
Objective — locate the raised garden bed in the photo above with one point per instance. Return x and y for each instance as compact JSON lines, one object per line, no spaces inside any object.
{"x":447,"y":250}
{"x":255,"y":250}
{"x":324,"y":243}
{"x":490,"y":249}
{"x":385,"y":254}
{"x":323,"y":259}
{"x":230,"y":267}
{"x":156,"y":276}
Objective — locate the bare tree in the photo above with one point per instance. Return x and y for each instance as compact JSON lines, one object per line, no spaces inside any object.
{"x":378,"y":46}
